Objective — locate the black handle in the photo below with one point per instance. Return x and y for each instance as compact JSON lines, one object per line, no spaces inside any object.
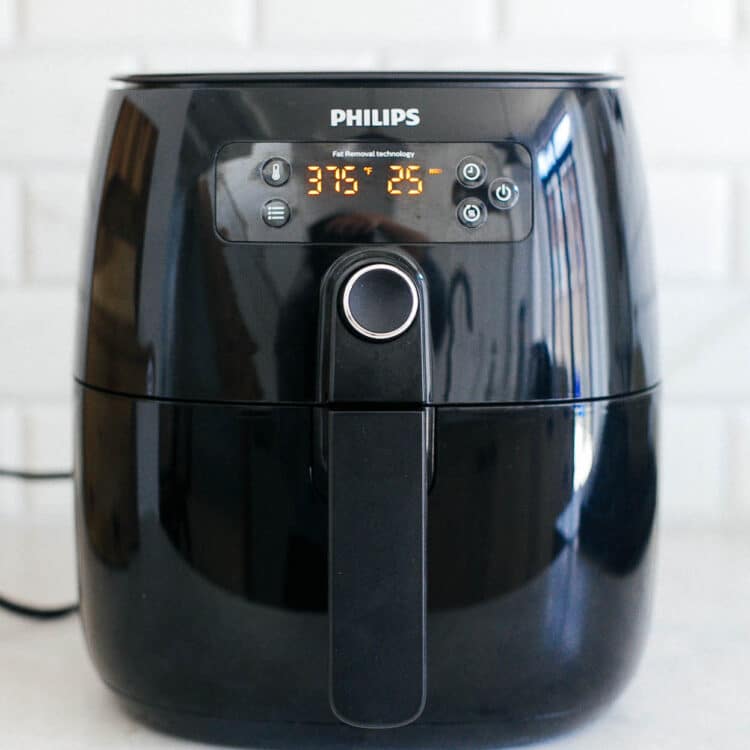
{"x":374,"y":376}
{"x":377,"y":588}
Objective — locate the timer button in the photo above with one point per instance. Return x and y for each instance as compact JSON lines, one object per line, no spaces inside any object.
{"x":380,"y":301}
{"x":276,"y":212}
{"x":503,"y":193}
{"x":471,"y":171}
{"x":472,"y":212}
{"x":276,"y":171}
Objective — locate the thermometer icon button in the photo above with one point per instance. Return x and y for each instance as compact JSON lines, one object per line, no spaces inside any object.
{"x":276,"y":171}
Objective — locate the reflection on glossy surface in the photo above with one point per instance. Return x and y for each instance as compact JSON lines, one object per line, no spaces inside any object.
{"x":108,"y":488}
{"x":567,"y":313}
{"x":540,"y":533}
{"x":119,"y":240}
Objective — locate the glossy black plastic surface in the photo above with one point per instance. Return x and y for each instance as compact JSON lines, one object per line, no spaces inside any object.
{"x":211,"y":374}
{"x":170,"y":310}
{"x":204,"y":602}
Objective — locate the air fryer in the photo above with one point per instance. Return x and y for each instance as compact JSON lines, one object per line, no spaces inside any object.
{"x":366,"y":406}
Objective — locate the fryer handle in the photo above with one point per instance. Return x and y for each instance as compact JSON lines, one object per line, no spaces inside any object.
{"x":377,"y":469}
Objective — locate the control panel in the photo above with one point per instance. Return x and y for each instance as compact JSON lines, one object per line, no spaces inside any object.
{"x":364,"y":192}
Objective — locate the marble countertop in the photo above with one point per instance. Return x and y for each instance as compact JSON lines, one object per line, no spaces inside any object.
{"x":692,"y":690}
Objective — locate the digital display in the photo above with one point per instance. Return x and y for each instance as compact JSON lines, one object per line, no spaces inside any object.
{"x":395,"y":179}
{"x":373,"y":192}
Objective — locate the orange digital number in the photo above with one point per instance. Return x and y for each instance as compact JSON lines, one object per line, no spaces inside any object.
{"x":405,"y":174}
{"x":333,"y":168}
{"x":344,"y":181}
{"x":316,"y":180}
{"x":414,"y":179}
{"x":395,"y":179}
{"x":349,"y":180}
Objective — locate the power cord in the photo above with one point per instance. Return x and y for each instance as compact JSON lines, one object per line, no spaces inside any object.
{"x":26,"y":610}
{"x":35,"y":476}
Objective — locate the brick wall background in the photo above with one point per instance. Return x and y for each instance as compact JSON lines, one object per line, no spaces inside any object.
{"x":685,"y":60}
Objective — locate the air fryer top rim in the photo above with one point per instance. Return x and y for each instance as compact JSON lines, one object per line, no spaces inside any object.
{"x":383,"y":78}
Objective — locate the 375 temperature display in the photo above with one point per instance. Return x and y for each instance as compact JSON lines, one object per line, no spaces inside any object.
{"x":397,"y":179}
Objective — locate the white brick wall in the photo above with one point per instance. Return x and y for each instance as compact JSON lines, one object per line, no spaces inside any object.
{"x":35,"y":339}
{"x":693,"y":466}
{"x":341,"y":23}
{"x":705,"y":90}
{"x":11,"y":218}
{"x":55,"y":201}
{"x":141,"y":23}
{"x":56,"y":100}
{"x":742,"y":213}
{"x":688,"y":65}
{"x":739,"y":438}
{"x":12,"y":493}
{"x":744,"y":17}
{"x":7,"y":21}
{"x":692,"y":245}
{"x":639,"y":21}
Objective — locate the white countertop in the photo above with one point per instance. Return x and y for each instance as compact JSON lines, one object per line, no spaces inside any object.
{"x":692,"y":690}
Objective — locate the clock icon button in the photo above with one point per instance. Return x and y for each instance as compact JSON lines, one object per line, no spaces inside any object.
{"x":471,"y":171}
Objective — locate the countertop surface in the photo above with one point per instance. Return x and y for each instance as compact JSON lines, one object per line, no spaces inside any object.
{"x":692,"y":690}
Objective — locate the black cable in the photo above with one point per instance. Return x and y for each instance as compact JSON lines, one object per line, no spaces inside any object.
{"x":38,"y":613}
{"x":27,"y":610}
{"x":35,"y":476}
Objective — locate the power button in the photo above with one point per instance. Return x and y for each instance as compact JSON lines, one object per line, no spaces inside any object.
{"x":503,"y":193}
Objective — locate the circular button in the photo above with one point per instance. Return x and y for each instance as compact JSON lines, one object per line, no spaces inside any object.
{"x":471,"y":171}
{"x":276,"y":212}
{"x":380,"y":301}
{"x":276,"y":171}
{"x":503,"y":193}
{"x":472,"y":212}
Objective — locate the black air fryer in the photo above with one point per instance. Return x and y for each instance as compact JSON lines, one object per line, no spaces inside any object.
{"x":366,"y":406}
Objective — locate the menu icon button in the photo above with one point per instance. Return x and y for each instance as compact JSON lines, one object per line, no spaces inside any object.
{"x":276,"y":212}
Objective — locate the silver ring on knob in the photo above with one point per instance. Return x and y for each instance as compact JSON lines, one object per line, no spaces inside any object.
{"x":380,"y":335}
